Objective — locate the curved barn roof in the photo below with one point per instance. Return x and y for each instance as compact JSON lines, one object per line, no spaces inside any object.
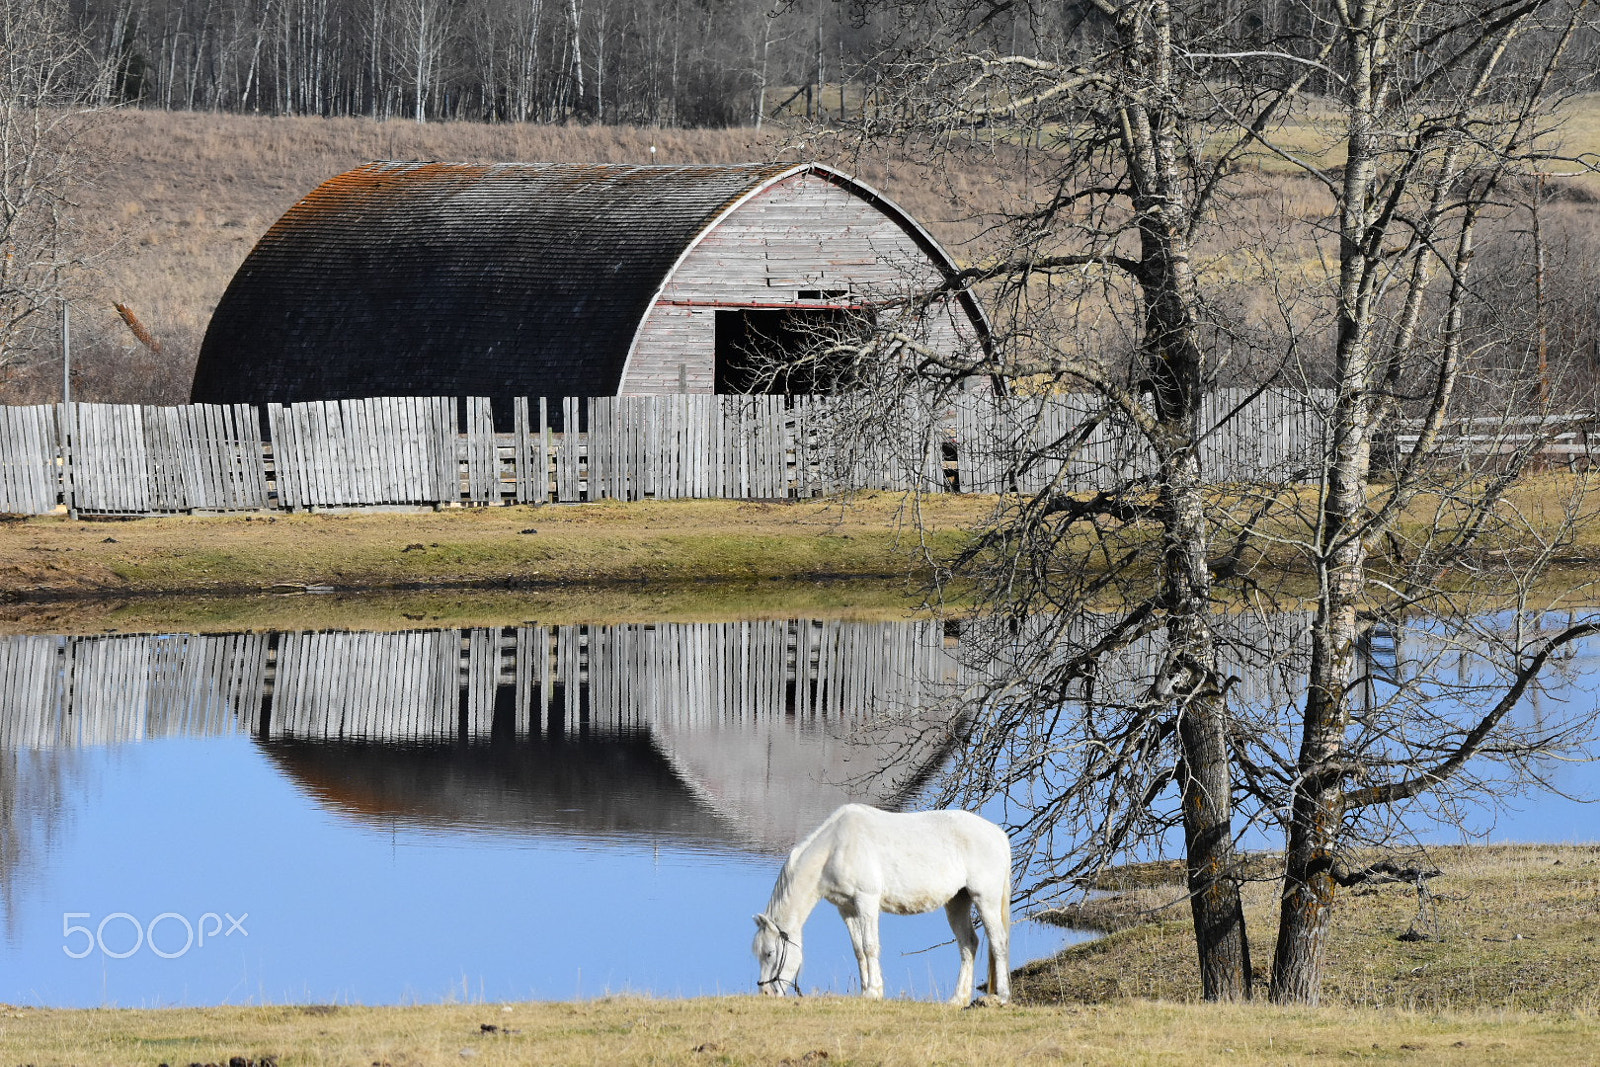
{"x":473,"y":279}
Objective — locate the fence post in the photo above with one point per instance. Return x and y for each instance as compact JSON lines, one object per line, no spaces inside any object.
{"x":65,"y":436}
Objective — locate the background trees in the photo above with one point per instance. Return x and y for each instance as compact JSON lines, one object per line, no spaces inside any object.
{"x":671,"y":62}
{"x":47,"y":80}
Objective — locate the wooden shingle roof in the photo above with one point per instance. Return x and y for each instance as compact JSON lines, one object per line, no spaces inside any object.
{"x":471,"y":278}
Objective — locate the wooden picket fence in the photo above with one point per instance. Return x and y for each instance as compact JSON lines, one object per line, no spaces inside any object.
{"x":440,"y":451}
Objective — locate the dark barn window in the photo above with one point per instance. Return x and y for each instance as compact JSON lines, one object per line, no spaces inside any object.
{"x":777,"y":350}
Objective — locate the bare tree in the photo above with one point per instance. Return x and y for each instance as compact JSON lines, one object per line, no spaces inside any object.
{"x":1152,"y":269}
{"x":1101,"y":292}
{"x":47,"y":91}
{"x":1439,"y":118}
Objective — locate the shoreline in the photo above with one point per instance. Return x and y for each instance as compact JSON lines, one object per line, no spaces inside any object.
{"x":54,"y":560}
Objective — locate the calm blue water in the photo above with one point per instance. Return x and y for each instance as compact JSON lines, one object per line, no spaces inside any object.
{"x":477,"y":816}
{"x":338,"y":908}
{"x":532,"y":841}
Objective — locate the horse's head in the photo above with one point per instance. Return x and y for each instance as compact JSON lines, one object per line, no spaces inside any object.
{"x":778,"y":955}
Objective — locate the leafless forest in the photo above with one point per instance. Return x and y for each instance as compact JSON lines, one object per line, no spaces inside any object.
{"x":673,"y":62}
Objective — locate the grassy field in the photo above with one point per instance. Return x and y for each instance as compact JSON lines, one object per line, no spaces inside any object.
{"x":816,"y":1032}
{"x":180,"y":198}
{"x":1505,"y":976}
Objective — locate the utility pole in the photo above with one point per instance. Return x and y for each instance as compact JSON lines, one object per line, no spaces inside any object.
{"x":66,"y":353}
{"x":68,"y":496}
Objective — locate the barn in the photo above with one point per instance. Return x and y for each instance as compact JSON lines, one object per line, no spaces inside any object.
{"x":568,"y":279}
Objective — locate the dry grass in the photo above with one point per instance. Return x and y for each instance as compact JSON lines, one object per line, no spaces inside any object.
{"x":694,"y":552}
{"x":815,"y":1032}
{"x":182,"y":197}
{"x":1505,"y":928}
{"x":668,"y":543}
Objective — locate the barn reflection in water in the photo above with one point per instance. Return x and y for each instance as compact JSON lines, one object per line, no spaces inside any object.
{"x":739,"y":734}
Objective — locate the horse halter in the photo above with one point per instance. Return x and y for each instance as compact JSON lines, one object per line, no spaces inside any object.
{"x":784,"y":941}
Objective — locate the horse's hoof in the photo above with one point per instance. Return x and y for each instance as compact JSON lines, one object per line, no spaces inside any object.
{"x":988,"y":1001}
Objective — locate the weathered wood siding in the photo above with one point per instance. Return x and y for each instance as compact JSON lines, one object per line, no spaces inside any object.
{"x":803,"y":233}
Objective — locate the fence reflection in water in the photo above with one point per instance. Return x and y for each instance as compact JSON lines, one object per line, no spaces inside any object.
{"x":765,"y":722}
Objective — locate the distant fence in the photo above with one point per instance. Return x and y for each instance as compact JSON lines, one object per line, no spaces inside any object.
{"x":128,"y":459}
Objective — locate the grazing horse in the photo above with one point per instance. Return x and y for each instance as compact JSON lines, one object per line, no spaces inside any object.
{"x":865,"y":861}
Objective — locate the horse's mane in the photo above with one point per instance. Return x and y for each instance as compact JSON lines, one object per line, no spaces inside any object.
{"x":780,"y":888}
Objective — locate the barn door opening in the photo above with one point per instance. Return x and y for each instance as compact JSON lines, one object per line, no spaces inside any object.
{"x":775,"y":350}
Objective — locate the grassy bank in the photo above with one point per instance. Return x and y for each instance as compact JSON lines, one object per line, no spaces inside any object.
{"x":646,"y":543}
{"x":1503,"y":974}
{"x":1505,"y":928}
{"x":657,"y":559}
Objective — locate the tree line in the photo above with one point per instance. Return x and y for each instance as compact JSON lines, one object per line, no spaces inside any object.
{"x":672,"y":63}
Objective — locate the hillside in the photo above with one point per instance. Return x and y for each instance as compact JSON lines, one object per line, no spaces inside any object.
{"x":181,"y":197}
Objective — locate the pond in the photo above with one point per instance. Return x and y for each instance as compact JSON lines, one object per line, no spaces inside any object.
{"x":472,"y":814}
{"x":481,"y":814}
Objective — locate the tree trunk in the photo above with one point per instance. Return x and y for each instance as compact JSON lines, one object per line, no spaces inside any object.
{"x":1176,"y":365}
{"x":1206,"y":781}
{"x":1317,"y":811}
{"x":1309,"y":886}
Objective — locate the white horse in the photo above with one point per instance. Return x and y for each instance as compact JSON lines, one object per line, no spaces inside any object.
{"x":866,"y":861}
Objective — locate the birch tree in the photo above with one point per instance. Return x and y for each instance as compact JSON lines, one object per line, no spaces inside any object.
{"x":425,"y":27}
{"x":1441,"y":123}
